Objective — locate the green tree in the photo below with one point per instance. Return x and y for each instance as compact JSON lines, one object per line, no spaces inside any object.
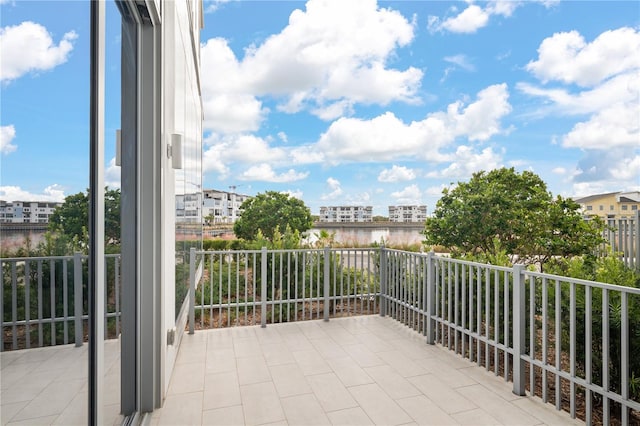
{"x":513,"y":212}
{"x":71,"y":219}
{"x":269,"y":212}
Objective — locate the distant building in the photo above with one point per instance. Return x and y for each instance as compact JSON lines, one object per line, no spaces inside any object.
{"x":407,"y":213}
{"x":188,"y":208}
{"x":348,"y":214}
{"x":222,"y":206}
{"x":612,"y":205}
{"x":26,"y":211}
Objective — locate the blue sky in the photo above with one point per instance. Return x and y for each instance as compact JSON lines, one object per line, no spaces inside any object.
{"x":351,"y":102}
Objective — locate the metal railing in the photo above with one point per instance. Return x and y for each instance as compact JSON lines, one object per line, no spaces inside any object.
{"x":267,"y":286}
{"x":565,"y":340}
{"x":623,"y":236}
{"x":43,"y":300}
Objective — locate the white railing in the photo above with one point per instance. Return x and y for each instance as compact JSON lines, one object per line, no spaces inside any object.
{"x":267,"y":286}
{"x":565,"y":340}
{"x":622,"y":236}
{"x":43,"y":300}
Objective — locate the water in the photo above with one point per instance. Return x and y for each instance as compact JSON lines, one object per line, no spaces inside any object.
{"x":391,"y":234}
{"x":13,"y":239}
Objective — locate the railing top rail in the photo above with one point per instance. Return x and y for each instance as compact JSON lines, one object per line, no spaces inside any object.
{"x":476,"y":264}
{"x":307,"y":250}
{"x":34,"y":258}
{"x":596,"y":284}
{"x":38,"y":258}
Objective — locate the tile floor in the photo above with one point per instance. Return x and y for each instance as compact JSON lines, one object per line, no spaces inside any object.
{"x":48,"y":386}
{"x":348,"y":371}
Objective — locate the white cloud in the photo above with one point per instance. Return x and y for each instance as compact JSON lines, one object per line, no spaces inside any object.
{"x":435,"y":191}
{"x":15,"y":193}
{"x":244,"y":149}
{"x":112,"y":175}
{"x":283,"y":137}
{"x":468,"y":21}
{"x":396,"y":174}
{"x":618,"y":125}
{"x":28,"y":47}
{"x":335,"y":187}
{"x":329,"y":56}
{"x":462,"y":61}
{"x":233,"y":113}
{"x":568,"y":58}
{"x":628,"y":170}
{"x":211,"y":6}
{"x":466,"y":162}
{"x":264,"y":172}
{"x":409,"y":195}
{"x":386,"y":137}
{"x":7,"y":134}
{"x":294,"y":193}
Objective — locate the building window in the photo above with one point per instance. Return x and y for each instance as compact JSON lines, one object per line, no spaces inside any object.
{"x":589,"y":208}
{"x":611,"y":207}
{"x":634,"y":207}
{"x":601,"y":207}
{"x":625,"y":207}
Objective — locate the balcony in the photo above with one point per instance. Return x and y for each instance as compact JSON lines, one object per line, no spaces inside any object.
{"x":351,"y":336}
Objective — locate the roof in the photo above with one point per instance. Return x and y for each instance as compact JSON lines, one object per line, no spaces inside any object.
{"x":594,"y":197}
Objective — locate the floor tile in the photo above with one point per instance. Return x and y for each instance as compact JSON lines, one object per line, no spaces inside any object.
{"x":349,"y":417}
{"x":187,"y":378}
{"x":181,"y":409}
{"x":260,"y":404}
{"x":503,"y":411}
{"x":445,"y":397}
{"x":252,"y":369}
{"x":289,"y":380}
{"x":391,"y":382}
{"x":349,"y":372}
{"x":330,"y":391}
{"x":221,"y":390}
{"x":363,"y":356}
{"x":475,"y":417}
{"x":402,"y":364}
{"x":304,"y":410}
{"x":378,"y":406}
{"x":310,"y":362}
{"x":227,"y":416}
{"x":424,"y":411}
{"x":220,"y":360}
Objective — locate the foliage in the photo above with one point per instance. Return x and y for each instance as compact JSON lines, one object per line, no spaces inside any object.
{"x":514,"y":212}
{"x":270,"y":212}
{"x":70,"y":220}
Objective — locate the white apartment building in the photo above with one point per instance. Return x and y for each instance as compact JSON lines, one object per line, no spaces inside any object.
{"x":223,"y":206}
{"x":346,"y":214}
{"x":408,"y":213}
{"x":26,"y":211}
{"x":188,"y":208}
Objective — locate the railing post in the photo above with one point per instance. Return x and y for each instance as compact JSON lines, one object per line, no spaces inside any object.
{"x":327,"y":261}
{"x":192,"y":289}
{"x":383,"y":281}
{"x":431,"y":299}
{"x":263,"y":289}
{"x":519,"y":332}
{"x":78,"y":300}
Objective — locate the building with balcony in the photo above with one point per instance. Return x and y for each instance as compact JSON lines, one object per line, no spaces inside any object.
{"x":221,"y":206}
{"x":612,"y":205}
{"x":26,"y":211}
{"x":346,"y":214}
{"x":413,"y":213}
